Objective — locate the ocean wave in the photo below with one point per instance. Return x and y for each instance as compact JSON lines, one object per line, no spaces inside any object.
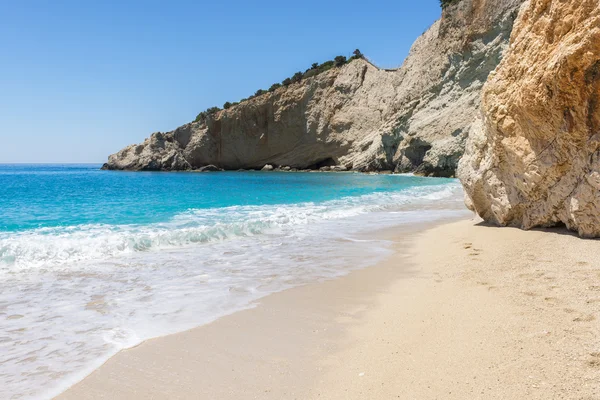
{"x":79,"y":294}
{"x":59,"y":245}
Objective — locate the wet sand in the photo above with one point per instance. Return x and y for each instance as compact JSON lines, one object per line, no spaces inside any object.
{"x":460,"y":311}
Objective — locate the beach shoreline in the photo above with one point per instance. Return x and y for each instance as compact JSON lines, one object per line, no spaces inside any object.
{"x":94,"y":276}
{"x":461,"y":310}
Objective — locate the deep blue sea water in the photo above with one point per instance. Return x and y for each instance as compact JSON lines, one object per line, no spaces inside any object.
{"x":95,"y":261}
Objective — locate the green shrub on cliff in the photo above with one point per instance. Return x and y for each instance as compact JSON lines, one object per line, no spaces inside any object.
{"x":315,"y":69}
{"x":339,"y":61}
{"x":310,"y":72}
{"x":326,"y":66}
{"x":446,"y":3}
{"x":356,"y":54}
{"x":297,"y":77}
{"x":206,"y":113}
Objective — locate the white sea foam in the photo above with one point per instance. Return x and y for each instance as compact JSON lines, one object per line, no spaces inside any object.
{"x":55,"y":246}
{"x":72,"y":297}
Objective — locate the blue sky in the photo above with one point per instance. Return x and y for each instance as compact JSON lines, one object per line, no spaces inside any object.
{"x":81,"y":79}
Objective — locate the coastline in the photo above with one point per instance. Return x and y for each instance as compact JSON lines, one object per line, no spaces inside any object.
{"x":106,"y":275}
{"x":491,"y":313}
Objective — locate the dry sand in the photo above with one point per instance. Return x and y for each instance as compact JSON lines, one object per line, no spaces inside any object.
{"x":461,"y":311}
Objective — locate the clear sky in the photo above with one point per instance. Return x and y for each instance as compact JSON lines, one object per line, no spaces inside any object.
{"x":82,"y":79}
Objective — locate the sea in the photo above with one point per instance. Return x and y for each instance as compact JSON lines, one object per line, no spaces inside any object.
{"x":92,"y":262}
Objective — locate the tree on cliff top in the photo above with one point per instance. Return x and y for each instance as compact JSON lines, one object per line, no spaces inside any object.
{"x":339,"y":61}
{"x":356,"y":55}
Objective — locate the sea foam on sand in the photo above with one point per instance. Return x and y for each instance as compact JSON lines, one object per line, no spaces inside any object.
{"x":75,"y":296}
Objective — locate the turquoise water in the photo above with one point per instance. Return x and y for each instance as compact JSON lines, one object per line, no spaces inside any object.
{"x":93,"y":261}
{"x":36,"y":196}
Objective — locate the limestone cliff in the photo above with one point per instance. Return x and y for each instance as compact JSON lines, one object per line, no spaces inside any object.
{"x":535,"y":158}
{"x":415,"y":118}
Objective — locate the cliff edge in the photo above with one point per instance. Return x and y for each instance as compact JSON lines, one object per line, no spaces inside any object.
{"x":357,"y":116}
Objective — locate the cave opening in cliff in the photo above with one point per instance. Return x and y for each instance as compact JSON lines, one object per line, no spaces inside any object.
{"x":416,"y":151}
{"x":328,"y":162}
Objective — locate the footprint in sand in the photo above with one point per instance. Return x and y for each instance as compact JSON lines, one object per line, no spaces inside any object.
{"x":475,"y":252}
{"x":594,"y":360}
{"x":585,"y":318}
{"x":490,"y":287}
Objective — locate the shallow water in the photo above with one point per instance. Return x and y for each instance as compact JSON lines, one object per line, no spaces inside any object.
{"x":92,"y":261}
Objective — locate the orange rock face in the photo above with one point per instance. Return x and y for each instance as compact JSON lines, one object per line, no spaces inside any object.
{"x":535,"y":159}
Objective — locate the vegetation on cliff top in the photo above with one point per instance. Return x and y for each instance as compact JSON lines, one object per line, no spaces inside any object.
{"x":446,"y":3}
{"x":314,"y":70}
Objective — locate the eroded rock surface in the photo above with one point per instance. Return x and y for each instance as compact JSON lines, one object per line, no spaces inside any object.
{"x":534,"y":159}
{"x":358,"y":117}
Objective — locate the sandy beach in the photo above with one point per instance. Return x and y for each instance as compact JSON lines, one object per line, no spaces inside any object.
{"x":460,"y":311}
{"x":320,"y":202}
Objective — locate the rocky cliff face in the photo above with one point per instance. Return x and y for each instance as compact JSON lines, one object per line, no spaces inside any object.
{"x":358,"y":116}
{"x":534,"y":160}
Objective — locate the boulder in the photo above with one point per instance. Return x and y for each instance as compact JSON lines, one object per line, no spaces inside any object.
{"x":209,"y":168}
{"x":339,"y":168}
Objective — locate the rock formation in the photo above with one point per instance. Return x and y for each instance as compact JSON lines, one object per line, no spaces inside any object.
{"x":534,"y":158}
{"x":358,"y":117}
